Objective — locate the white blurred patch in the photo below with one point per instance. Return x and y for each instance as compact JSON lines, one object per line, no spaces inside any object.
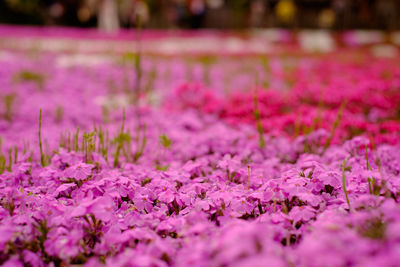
{"x":317,"y":41}
{"x":174,"y":46}
{"x":112,"y":101}
{"x":234,"y":45}
{"x":215,"y":4}
{"x":184,"y":45}
{"x":364,"y":37}
{"x":271,"y":35}
{"x":81,"y":60}
{"x":395,"y":38}
{"x":385,"y":51}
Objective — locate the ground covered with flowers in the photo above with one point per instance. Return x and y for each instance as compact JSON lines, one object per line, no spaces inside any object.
{"x":139,"y":160}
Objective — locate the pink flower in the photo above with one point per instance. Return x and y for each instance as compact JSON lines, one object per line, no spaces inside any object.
{"x":32,"y":258}
{"x":79,"y":171}
{"x":13,"y":262}
{"x":6,"y":232}
{"x":302,"y":213}
{"x":229,"y":163}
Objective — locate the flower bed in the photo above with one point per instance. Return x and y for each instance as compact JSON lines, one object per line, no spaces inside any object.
{"x":198,"y":160}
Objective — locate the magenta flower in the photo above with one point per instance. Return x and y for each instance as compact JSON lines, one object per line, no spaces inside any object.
{"x":80,"y":171}
{"x":301,"y":213}
{"x":64,"y":243}
{"x":166,"y":196}
{"x":229,"y":163}
{"x":6,"y":233}
{"x":214,"y":196}
{"x":32,"y":258}
{"x":64,"y":188}
{"x":13,"y":262}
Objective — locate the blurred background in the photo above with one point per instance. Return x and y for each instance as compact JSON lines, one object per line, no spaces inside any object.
{"x":111,"y":15}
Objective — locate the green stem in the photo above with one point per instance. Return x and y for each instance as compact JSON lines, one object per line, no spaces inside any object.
{"x":139,"y":152}
{"x":366,"y":156}
{"x":76,"y":140}
{"x":317,"y":118}
{"x":2,"y":164}
{"x":42,"y":157}
{"x":257,"y":116}
{"x":371,"y":181}
{"x":120,"y":140}
{"x":370,"y":186}
{"x":138,"y":58}
{"x":344,"y":183}
{"x":335,"y":124}
{"x":15,"y":154}
{"x":9,"y":168}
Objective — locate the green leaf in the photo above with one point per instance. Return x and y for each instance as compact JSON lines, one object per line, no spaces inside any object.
{"x":165,"y":141}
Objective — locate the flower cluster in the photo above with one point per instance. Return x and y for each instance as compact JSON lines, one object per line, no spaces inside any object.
{"x":179,"y":178}
{"x":361,"y":99}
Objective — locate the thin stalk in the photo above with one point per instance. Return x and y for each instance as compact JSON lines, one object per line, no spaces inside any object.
{"x":335,"y":125}
{"x":75,"y":141}
{"x":10,"y":161}
{"x":15,"y":155}
{"x":248,"y":176}
{"x":317,"y":118}
{"x":138,"y":58}
{"x":69,"y":141}
{"x":120,"y":140}
{"x":366,"y":157}
{"x":344,"y":183}
{"x":42,"y":156}
{"x":257,"y":116}
{"x":371,"y":181}
{"x":370,"y":186}
{"x":2,"y":164}
{"x":139,"y":152}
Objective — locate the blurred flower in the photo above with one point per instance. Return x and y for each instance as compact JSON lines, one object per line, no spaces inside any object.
{"x":80,"y":171}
